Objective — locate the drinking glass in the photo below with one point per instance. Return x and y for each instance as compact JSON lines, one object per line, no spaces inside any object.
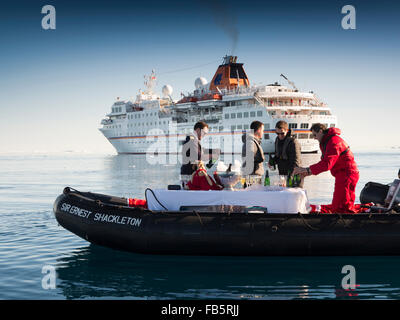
{"x":282,"y":180}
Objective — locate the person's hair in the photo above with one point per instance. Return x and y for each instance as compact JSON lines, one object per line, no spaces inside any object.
{"x":282,"y":125}
{"x":200,"y":125}
{"x":198,"y":165}
{"x":255,"y":125}
{"x":318,"y":126}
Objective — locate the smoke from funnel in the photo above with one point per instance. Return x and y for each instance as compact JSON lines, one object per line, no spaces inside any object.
{"x":225,"y":19}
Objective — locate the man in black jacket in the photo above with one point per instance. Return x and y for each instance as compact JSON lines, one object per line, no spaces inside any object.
{"x":193,"y":152}
{"x":191,"y":148}
{"x":287,"y":150}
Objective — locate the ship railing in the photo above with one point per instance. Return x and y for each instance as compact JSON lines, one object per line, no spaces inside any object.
{"x":212,"y":120}
{"x":106,"y":121}
{"x":298,"y":116}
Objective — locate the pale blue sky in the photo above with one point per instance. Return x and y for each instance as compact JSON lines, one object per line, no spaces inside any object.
{"x":56,"y":86}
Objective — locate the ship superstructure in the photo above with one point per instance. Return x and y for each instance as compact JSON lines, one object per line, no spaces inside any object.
{"x":228,"y":104}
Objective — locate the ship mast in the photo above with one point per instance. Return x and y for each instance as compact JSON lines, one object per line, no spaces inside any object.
{"x":150,"y":82}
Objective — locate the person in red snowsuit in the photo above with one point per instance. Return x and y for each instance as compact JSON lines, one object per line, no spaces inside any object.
{"x":201,"y":180}
{"x":338,"y":158}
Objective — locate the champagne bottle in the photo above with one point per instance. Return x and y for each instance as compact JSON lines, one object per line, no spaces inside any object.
{"x":266,"y":180}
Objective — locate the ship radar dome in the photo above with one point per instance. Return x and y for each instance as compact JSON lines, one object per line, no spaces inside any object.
{"x":199,"y":82}
{"x":167,"y":90}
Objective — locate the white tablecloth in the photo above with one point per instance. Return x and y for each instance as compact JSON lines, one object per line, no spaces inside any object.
{"x":275,"y":199}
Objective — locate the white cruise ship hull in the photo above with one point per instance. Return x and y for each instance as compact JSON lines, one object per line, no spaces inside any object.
{"x":168,"y":138}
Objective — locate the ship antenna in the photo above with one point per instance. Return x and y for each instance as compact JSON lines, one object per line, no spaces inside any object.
{"x":290,"y":82}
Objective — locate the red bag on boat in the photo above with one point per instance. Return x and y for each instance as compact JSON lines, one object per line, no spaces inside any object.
{"x":327,"y":208}
{"x":202,"y":181}
{"x":138,"y":203}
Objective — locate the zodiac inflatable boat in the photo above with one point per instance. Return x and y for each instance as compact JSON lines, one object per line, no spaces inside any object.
{"x":110,"y":221}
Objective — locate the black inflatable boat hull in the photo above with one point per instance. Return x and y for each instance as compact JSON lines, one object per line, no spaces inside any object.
{"x":107,"y":221}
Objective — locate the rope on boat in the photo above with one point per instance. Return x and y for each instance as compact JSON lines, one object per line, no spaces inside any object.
{"x":344,"y":222}
{"x":201,"y":221}
{"x":307,"y":224}
{"x":145,"y":194}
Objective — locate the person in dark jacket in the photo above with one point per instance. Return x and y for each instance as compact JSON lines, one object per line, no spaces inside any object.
{"x":287,"y":150}
{"x":252,"y":152}
{"x":338,"y":158}
{"x":192,"y":150}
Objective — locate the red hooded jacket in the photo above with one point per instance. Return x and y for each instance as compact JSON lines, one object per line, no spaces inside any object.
{"x":336,"y":155}
{"x":199,"y":181}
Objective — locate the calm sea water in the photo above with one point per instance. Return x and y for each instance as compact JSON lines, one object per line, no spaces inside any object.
{"x":30,"y":239}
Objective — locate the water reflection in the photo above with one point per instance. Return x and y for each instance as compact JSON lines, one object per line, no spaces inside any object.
{"x":97,"y":272}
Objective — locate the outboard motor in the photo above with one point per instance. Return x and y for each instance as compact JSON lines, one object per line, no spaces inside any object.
{"x":385,"y":197}
{"x":374,"y":192}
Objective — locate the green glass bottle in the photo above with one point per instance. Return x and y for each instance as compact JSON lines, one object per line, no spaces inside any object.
{"x":289,"y":182}
{"x":266,"y":179}
{"x":297,"y":180}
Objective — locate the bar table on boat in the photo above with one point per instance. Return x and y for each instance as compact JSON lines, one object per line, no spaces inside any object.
{"x":276,"y":199}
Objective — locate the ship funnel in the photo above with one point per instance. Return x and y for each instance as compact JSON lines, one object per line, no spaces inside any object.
{"x":229,"y":75}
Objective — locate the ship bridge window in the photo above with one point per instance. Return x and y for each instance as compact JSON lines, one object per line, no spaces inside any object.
{"x":245,"y":115}
{"x":266,"y":136}
{"x":304,"y":126}
{"x":303,"y":135}
{"x":246,"y":126}
{"x":332,"y":125}
{"x":233,"y":128}
{"x":239,"y":115}
{"x":259,"y":113}
{"x":292,"y":125}
{"x":220,"y":129}
{"x":252,"y":114}
{"x":233,"y":115}
{"x":237,"y":70}
{"x":226,"y":115}
{"x":266,"y":126}
{"x":239,"y":126}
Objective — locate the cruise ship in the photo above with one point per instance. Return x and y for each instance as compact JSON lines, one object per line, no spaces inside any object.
{"x":157,"y":124}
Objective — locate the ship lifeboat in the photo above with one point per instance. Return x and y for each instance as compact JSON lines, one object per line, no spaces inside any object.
{"x":127,"y":224}
{"x":211,"y":96}
{"x":188,"y":99}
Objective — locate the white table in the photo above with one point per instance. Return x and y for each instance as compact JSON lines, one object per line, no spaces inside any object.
{"x":276,"y":199}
